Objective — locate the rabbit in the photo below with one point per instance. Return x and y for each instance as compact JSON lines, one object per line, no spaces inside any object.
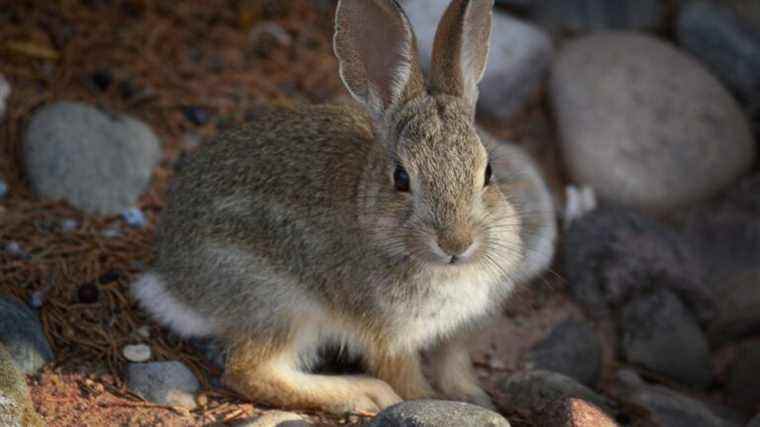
{"x":383,"y":230}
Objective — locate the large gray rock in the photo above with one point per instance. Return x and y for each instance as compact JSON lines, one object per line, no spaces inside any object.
{"x":738,"y":308}
{"x":612,"y":255}
{"x":594,"y":15}
{"x":518,"y":60}
{"x":668,"y":408}
{"x":98,"y":162}
{"x":645,"y":125}
{"x":729,"y":45}
{"x":165,"y":383}
{"x":678,"y":350}
{"x":21,"y":332}
{"x":743,"y":378}
{"x":573,"y":349}
{"x":16,"y":408}
{"x":531,"y":393}
{"x":437,"y":413}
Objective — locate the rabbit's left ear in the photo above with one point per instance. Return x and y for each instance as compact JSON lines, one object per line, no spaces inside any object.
{"x":377,"y":54}
{"x":460,"y":50}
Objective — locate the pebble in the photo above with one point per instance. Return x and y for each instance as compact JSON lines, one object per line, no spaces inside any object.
{"x":165,"y":383}
{"x":437,"y":413}
{"x":679,"y":351}
{"x":97,"y":161}
{"x":650,"y":129}
{"x":3,"y":188}
{"x":21,"y":333}
{"x":112,"y":232}
{"x":5,"y":92}
{"x":595,"y":15}
{"x":573,"y":349}
{"x":275,"y":419}
{"x":197,"y":115}
{"x":518,"y":61}
{"x":15,"y":249}
{"x":136,"y":352}
{"x":528,"y":393}
{"x":68,"y":225}
{"x":134,"y":218}
{"x":578,"y":202}
{"x":613,"y":255}
{"x":727,"y":44}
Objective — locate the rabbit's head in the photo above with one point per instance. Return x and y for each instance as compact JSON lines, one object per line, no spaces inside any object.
{"x":437,"y":202}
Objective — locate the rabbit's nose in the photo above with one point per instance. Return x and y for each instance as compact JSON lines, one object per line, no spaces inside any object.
{"x":456,"y":245}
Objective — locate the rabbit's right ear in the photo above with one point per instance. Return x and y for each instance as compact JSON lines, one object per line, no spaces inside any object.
{"x":377,"y":54}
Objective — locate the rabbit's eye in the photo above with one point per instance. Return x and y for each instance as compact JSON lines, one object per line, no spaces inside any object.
{"x":401,"y":179}
{"x":489,"y":173}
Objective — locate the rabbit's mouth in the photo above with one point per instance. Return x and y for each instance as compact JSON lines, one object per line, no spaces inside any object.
{"x":453,"y":256}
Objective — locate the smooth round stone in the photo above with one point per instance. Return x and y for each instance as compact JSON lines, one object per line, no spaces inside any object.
{"x":646,"y":125}
{"x":98,"y":162}
{"x":136,"y":353}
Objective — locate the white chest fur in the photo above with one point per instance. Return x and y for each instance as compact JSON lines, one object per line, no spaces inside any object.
{"x":453,"y":303}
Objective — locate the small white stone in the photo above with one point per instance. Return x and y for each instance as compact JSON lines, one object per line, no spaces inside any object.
{"x":136,"y":353}
{"x":578,"y":202}
{"x":143,"y":331}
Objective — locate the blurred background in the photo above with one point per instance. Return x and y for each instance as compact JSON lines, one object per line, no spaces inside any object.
{"x":643,"y":115}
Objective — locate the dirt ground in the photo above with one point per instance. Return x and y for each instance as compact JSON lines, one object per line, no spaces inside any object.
{"x":158,"y":60}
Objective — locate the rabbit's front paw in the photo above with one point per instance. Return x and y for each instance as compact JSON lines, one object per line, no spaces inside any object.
{"x":368,"y":397}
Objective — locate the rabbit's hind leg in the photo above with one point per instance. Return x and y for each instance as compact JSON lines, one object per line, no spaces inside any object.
{"x":273,"y":374}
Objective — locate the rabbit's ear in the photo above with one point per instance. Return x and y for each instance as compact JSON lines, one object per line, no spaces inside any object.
{"x":377,"y":53}
{"x":460,"y":50}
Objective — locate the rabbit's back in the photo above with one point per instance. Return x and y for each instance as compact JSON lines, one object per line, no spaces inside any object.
{"x":251,"y":214}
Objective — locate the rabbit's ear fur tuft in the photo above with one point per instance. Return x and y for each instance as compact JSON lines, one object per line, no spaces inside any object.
{"x":460,"y":50}
{"x":377,"y":54}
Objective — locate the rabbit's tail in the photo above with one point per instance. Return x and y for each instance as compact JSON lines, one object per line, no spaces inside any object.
{"x":151,"y":293}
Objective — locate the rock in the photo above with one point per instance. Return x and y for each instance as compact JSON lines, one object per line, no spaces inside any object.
{"x":197,"y":115}
{"x":3,"y":188}
{"x":98,"y":162}
{"x":578,"y":202}
{"x":5,"y":92}
{"x":645,"y":125}
{"x":575,"y":413}
{"x":742,"y":380}
{"x":276,"y":419}
{"x":21,"y":333}
{"x":755,"y":422}
{"x":572,"y":349}
{"x":136,"y":352}
{"x":69,"y":225}
{"x":530,"y":393}
{"x":729,"y":45}
{"x":437,"y":413}
{"x":16,"y":408}
{"x":738,"y":314}
{"x":668,"y":408}
{"x":594,"y":15}
{"x":164,"y":383}
{"x":518,"y":60}
{"x":134,"y":218}
{"x":679,"y":351}
{"x":612,"y":255}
